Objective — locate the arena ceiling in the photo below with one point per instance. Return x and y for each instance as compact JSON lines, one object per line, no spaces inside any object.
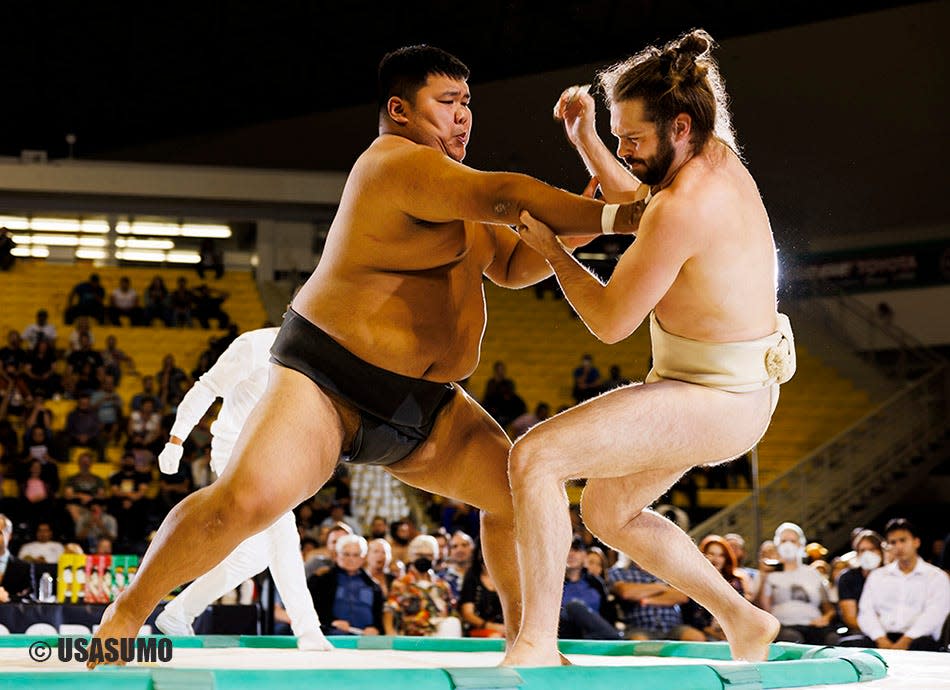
{"x":119,"y":75}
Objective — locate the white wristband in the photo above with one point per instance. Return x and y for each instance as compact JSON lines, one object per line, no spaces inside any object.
{"x":608,"y":217}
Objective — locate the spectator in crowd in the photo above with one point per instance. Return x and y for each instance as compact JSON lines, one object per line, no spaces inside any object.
{"x":616,"y":380}
{"x":96,"y":524}
{"x":522,"y":423}
{"x":379,"y":558}
{"x":77,"y":362}
{"x":650,"y":608}
{"x":479,"y":604}
{"x":797,"y":595}
{"x":207,"y":306}
{"x":461,"y":551}
{"x":718,"y":552}
{"x":14,"y":573}
{"x":505,"y":405}
{"x":44,"y":549}
{"x":180,"y":303}
{"x":378,"y":527}
{"x":210,"y":258}
{"x":905,"y":604}
{"x":42,"y":328}
{"x":108,"y":405}
{"x":124,"y":301}
{"x":148,"y":392}
{"x":14,"y":388}
{"x":82,"y":488}
{"x":128,"y":502}
{"x":39,"y":414}
{"x":338,"y":514}
{"x":171,"y":382}
{"x":36,"y":492}
{"x":38,"y":371}
{"x":587,"y":381}
{"x":323,"y":559}
{"x":420,"y":603}
{"x":36,"y":448}
{"x":13,"y":351}
{"x":751,"y":575}
{"x":81,"y":328}
{"x":499,"y":377}
{"x":114,"y":360}
{"x":596,"y":562}
{"x":173,"y":487}
{"x":400,"y":534}
{"x":83,"y":428}
{"x":157,"y":303}
{"x":586,"y":610}
{"x":7,"y":245}
{"x":348,"y":601}
{"x":869,"y":555}
{"x":146,"y":423}
{"x":86,"y":299}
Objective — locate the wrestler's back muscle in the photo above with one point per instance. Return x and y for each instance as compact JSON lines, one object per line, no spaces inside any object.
{"x":400,"y":293}
{"x":726,"y":290}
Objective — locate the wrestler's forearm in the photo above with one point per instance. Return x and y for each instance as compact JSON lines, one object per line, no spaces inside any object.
{"x":586,"y":293}
{"x":525,"y":267}
{"x":616,"y":182}
{"x":566,"y":213}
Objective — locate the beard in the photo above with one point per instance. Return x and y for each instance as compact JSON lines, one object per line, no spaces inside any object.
{"x":658,"y":165}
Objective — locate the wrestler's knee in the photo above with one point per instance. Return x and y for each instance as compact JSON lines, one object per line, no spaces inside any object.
{"x":532,"y":460}
{"x":246,"y":508}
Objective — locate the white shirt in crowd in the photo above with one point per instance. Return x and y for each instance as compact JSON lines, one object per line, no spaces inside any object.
{"x":914,"y":604}
{"x":796,"y":595}
{"x":240,"y":377}
{"x":48,"y":551}
{"x":124,"y":299}
{"x":34,"y":330}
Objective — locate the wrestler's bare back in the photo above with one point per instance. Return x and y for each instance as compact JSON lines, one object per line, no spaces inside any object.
{"x":400,"y":293}
{"x":726,"y":290}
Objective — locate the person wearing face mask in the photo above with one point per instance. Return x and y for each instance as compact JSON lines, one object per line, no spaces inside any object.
{"x":420,"y":602}
{"x":796,"y":595}
{"x":869,"y":550}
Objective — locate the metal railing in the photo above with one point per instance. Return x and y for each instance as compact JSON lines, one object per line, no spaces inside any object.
{"x":845,"y":482}
{"x":828,"y":491}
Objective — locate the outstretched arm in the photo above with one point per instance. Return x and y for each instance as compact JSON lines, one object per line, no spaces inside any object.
{"x":440,"y":190}
{"x":645,"y":272}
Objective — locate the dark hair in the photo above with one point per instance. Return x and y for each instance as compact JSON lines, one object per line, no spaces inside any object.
{"x":900,"y":524}
{"x":680,"y":77}
{"x":404,"y":71}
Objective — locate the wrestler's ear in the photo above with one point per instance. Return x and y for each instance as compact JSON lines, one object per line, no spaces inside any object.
{"x":682,"y":127}
{"x":396,"y":109}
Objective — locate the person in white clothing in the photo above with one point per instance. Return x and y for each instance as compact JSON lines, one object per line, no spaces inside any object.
{"x":239,"y":377}
{"x":44,"y":549}
{"x":904,"y":604}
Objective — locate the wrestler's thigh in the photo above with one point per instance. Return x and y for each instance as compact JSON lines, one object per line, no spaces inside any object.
{"x":289,"y":446}
{"x":665,"y":426}
{"x":465,"y":457}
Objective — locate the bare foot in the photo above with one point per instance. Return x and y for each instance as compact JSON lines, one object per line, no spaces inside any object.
{"x":526,"y":654}
{"x":116,"y":625}
{"x":750,"y":632}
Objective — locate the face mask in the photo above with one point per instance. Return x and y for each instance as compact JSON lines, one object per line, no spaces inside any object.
{"x":788,"y":551}
{"x":423,"y":565}
{"x":869,"y":560}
